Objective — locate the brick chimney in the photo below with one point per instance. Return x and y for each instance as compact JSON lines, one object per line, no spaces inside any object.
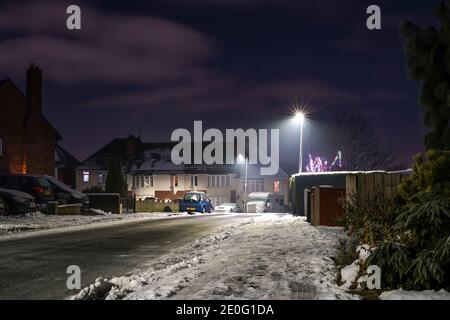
{"x":132,"y":144}
{"x":34,"y":91}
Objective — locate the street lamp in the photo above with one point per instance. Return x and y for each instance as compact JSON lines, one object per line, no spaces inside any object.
{"x":241,"y":157}
{"x":300,"y":117}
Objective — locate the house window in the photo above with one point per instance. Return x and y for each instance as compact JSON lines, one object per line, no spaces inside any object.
{"x":276,"y":186}
{"x":151,"y":181}
{"x":194,"y":181}
{"x":101,"y":178}
{"x":147,"y":182}
{"x":1,"y":146}
{"x":142,"y":182}
{"x":86,"y":176}
{"x":253,"y":185}
{"x":175,"y":181}
{"x":219,"y":181}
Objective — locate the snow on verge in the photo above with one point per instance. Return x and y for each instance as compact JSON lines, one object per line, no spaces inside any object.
{"x":401,"y":294}
{"x":267,"y":257}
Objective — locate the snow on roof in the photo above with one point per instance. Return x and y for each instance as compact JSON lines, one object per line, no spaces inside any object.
{"x":405,"y":171}
{"x":150,"y":158}
{"x":258,"y":194}
{"x":254,"y":171}
{"x":330,"y":173}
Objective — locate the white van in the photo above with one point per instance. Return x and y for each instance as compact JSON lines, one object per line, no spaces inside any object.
{"x":265,"y":202}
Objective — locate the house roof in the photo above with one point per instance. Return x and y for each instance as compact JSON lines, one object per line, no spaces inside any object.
{"x":2,"y":82}
{"x":100,"y":160}
{"x":155,"y":157}
{"x":64,"y":158}
{"x":55,"y":132}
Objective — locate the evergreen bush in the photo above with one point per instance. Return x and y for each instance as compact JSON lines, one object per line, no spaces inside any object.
{"x":418,"y":257}
{"x":115,"y":181}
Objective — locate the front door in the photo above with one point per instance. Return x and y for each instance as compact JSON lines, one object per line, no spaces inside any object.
{"x":233,"y":196}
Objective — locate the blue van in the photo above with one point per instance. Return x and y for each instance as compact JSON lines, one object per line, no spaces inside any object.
{"x":195,"y":201}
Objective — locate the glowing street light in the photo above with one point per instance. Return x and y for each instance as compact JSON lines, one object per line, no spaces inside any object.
{"x":300,"y":117}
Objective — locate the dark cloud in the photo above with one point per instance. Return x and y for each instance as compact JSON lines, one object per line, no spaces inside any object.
{"x":108,"y":49}
{"x":165,"y":59}
{"x":142,"y":63}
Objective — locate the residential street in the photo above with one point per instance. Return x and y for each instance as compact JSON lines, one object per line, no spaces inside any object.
{"x":34,"y":267}
{"x":270,"y":256}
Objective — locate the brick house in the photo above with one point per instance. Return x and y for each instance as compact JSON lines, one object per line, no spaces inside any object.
{"x":65,"y":165}
{"x":150,"y":173}
{"x":27,"y":139}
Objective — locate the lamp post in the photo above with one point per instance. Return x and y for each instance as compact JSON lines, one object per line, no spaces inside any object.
{"x":299,"y":116}
{"x":245,"y":181}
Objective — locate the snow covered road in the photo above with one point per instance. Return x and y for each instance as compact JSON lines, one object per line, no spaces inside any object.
{"x":33,"y":265}
{"x":267,"y":257}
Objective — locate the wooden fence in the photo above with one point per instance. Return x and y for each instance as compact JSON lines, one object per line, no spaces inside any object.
{"x":371,"y":183}
{"x":155,"y":206}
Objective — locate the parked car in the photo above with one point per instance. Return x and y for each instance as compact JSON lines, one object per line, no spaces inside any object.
{"x":2,"y":206}
{"x":227,"y":207}
{"x":14,"y":201}
{"x":65,"y":194}
{"x":195,"y":201}
{"x":38,"y":187}
{"x":258,"y":202}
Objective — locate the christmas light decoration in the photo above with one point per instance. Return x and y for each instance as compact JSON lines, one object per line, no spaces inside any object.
{"x":318,"y":164}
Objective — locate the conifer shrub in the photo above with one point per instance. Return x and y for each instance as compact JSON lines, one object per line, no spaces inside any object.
{"x":418,"y":256}
{"x":369,"y":218}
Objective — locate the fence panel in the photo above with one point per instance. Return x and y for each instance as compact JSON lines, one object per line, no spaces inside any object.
{"x":374,"y":182}
{"x":154,"y":206}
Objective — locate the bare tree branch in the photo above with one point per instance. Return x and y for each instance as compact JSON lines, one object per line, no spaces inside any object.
{"x":354,"y":135}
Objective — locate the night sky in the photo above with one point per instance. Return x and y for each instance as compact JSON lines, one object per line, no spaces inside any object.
{"x":154,"y":66}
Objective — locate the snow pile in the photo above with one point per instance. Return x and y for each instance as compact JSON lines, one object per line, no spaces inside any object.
{"x":118,"y":287}
{"x":364,"y":252}
{"x":350,"y":273}
{"x":268,"y":257}
{"x":98,"y":211}
{"x":415,"y":295}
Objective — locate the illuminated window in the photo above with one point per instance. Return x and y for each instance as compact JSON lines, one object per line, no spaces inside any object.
{"x":86,"y":176}
{"x":101,"y":178}
{"x":276,"y":186}
{"x":147,"y":182}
